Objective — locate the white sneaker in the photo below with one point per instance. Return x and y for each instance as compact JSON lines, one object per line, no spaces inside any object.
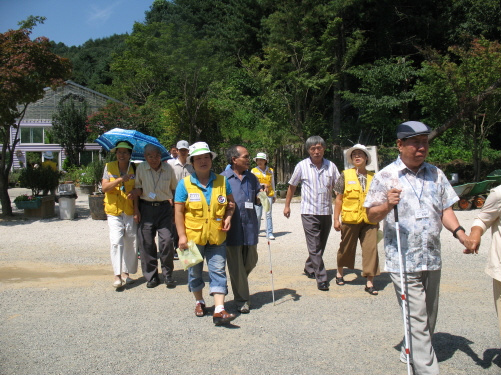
{"x":117,"y":284}
{"x":271,"y":237}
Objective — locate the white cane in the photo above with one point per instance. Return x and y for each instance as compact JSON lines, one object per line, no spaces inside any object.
{"x":402,"y":294}
{"x":271,"y":273}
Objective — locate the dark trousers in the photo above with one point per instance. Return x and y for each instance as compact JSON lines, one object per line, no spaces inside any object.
{"x":155,"y":220}
{"x":316,"y":230}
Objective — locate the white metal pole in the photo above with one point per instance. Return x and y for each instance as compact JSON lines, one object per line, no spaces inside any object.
{"x":403,"y":295}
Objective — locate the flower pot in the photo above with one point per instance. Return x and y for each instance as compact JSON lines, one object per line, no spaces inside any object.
{"x":46,"y":208}
{"x":87,"y":189}
{"x":96,"y":206}
{"x":32,"y":205}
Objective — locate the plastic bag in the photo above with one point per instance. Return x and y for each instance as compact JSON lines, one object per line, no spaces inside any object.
{"x":190,"y":256}
{"x":264,"y":201}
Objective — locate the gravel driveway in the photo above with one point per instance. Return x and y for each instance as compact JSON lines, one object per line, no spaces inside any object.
{"x":59,"y":313}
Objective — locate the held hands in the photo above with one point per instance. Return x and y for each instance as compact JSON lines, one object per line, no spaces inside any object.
{"x":472,"y":242}
{"x":471,"y":246}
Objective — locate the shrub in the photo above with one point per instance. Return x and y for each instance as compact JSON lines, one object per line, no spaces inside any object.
{"x":39,"y":179}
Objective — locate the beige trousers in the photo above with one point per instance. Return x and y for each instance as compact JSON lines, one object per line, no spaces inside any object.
{"x":367,"y":234}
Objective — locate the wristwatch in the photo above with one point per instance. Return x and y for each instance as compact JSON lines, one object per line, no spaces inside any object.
{"x":456,"y":230}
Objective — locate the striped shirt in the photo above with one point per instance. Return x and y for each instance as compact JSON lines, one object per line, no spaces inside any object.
{"x":316,"y":186}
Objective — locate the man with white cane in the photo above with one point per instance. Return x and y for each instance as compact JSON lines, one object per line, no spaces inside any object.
{"x":424,"y":198}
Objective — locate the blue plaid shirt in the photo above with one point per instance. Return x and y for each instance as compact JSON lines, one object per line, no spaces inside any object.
{"x":425,"y":195}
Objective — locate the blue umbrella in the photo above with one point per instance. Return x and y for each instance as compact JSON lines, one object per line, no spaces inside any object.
{"x":138,"y":140}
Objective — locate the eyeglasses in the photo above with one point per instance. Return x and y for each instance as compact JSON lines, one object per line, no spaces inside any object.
{"x":244,"y":157}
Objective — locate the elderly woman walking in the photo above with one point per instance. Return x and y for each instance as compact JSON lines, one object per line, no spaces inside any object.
{"x":118,"y":181}
{"x":351,"y":189}
{"x":267,"y":180}
{"x":203,"y":209}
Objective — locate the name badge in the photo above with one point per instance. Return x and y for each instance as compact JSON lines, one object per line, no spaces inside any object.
{"x":195,"y":197}
{"x":249,"y":205}
{"x":152,"y":195}
{"x":352,"y":182}
{"x":421,"y":214}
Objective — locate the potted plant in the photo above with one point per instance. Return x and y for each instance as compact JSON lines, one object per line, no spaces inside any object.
{"x":281,"y":190}
{"x":39,"y":179}
{"x":27,"y":202}
{"x":86,"y":180}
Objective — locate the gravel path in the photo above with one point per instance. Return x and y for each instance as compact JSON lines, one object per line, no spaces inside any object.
{"x":60,"y":315}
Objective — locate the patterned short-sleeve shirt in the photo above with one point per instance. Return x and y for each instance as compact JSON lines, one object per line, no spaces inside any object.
{"x":424,"y":197}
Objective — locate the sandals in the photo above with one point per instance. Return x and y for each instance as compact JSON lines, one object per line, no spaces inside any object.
{"x":371,"y":290}
{"x":340,"y":280}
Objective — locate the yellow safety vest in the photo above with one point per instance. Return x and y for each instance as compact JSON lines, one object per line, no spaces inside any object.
{"x":203,"y":223}
{"x":352,"y":210}
{"x":115,"y":200}
{"x":265,"y":179}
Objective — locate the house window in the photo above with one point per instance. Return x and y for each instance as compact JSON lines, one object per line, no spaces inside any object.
{"x":32,"y":135}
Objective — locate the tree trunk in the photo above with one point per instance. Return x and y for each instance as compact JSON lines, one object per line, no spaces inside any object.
{"x":4,"y":194}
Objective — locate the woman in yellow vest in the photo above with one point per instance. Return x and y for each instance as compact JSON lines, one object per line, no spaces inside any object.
{"x":351,"y":189}
{"x":117,"y":183}
{"x":203,"y":209}
{"x":267,"y":180}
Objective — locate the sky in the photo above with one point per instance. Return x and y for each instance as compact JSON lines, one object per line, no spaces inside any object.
{"x":73,"y":22}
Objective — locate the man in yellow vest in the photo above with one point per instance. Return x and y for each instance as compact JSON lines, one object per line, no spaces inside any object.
{"x":351,"y":189}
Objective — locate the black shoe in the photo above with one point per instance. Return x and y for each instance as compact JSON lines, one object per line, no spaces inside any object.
{"x":152,"y":283}
{"x":308,"y":274}
{"x":170,"y":282}
{"x":323,"y":286}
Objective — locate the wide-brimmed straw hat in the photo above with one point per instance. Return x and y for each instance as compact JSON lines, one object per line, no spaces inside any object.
{"x":360,"y":147}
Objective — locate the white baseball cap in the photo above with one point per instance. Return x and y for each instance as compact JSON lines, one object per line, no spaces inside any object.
{"x":200,"y":148}
{"x":183,"y":144}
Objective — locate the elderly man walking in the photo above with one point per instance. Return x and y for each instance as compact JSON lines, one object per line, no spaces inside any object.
{"x":182,"y":168}
{"x":241,"y":242}
{"x":317,"y":177}
{"x":155,"y":182}
{"x":424,"y":198}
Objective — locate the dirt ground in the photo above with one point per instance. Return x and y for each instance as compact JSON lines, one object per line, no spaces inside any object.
{"x":59,"y":313}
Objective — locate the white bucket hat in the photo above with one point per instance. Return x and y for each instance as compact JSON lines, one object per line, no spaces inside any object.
{"x":200,"y":148}
{"x":360,"y":147}
{"x":48,"y":155}
{"x":261,"y":155}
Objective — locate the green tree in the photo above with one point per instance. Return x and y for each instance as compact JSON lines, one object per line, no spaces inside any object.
{"x":462,"y":89}
{"x":119,"y":115}
{"x":26,"y":68}
{"x":308,"y":46}
{"x":69,"y":126}
{"x":383,"y":97}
